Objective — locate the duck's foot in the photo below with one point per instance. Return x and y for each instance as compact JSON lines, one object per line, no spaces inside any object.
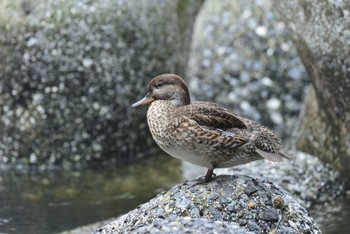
{"x":209,"y":176}
{"x":201,"y":180}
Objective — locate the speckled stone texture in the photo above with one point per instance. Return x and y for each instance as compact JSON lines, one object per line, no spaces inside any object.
{"x":309,"y":180}
{"x":190,"y":225}
{"x":243,"y":202}
{"x":70,"y":71}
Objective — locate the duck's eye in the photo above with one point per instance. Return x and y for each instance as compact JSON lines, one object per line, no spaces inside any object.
{"x":159,"y":84}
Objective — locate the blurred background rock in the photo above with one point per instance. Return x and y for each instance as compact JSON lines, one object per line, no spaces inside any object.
{"x":243,"y":58}
{"x":321,"y":33}
{"x":70,"y":70}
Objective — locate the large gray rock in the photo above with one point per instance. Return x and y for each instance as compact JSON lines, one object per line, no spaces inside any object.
{"x":321,"y":34}
{"x":71,"y":69}
{"x":309,"y":180}
{"x":253,"y":204}
{"x":314,"y":184}
{"x":243,"y":58}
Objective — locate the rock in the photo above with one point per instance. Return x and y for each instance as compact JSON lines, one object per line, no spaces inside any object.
{"x":250,"y":189}
{"x":310,"y":181}
{"x":243,"y":59}
{"x":321,"y":34}
{"x":186,"y":225}
{"x":270,"y":215}
{"x":252,"y":225}
{"x":314,"y":184}
{"x":70,"y":71}
{"x":213,"y":214}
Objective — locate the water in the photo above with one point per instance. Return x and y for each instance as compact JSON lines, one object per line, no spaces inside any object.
{"x":55,"y":201}
{"x":47,"y":202}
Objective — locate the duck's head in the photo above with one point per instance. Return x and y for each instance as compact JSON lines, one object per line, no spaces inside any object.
{"x":166,"y":87}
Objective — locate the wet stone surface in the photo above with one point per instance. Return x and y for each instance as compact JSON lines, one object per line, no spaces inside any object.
{"x":205,"y":206}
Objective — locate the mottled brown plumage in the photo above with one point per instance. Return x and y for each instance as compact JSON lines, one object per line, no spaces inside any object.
{"x":204,"y":133}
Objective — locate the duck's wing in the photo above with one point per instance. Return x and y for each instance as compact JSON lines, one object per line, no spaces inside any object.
{"x":212,"y":115}
{"x":268,"y":145}
{"x":213,"y":122}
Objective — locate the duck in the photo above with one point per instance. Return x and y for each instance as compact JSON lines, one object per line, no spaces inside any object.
{"x":204,"y":133}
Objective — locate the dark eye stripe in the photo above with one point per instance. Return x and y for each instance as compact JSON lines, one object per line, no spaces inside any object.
{"x":159,"y":84}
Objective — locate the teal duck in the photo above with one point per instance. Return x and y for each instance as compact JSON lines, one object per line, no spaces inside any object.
{"x":204,"y":133}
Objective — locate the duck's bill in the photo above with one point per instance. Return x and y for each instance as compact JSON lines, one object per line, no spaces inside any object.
{"x":144,"y":101}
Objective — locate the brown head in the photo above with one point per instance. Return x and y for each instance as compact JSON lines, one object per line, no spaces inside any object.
{"x":166,"y":87}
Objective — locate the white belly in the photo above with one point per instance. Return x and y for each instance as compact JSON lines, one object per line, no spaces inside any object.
{"x":188,"y":156}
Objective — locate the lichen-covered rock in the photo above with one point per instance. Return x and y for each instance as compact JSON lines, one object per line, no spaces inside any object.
{"x":70,"y":70}
{"x":253,"y":204}
{"x":243,"y":58}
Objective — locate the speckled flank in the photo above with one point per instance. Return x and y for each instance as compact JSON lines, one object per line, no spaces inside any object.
{"x":204,"y":133}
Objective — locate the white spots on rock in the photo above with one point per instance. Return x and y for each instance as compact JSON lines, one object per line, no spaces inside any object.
{"x":104,"y":111}
{"x":261,"y":31}
{"x":88,"y":62}
{"x":40,"y":109}
{"x":245,"y":106}
{"x":33,"y":158}
{"x":37,"y":98}
{"x":96,"y":146}
{"x":232,"y":97}
{"x":270,"y":51}
{"x":26,"y":56}
{"x":285,"y":46}
{"x":276,"y":117}
{"x":96,"y":105}
{"x":83,"y":99}
{"x":246,"y":14}
{"x":266,"y":81}
{"x":52,"y":89}
{"x":14,"y":92}
{"x":244,"y":76}
{"x":221,"y":50}
{"x":32,"y":41}
{"x":273,"y":103}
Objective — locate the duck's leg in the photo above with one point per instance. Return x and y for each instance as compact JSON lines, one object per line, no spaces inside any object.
{"x":201,"y":180}
{"x":209,"y":176}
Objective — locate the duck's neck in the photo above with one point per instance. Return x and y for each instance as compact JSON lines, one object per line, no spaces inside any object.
{"x":159,"y":116}
{"x":160,"y":110}
{"x":163,"y":106}
{"x":180,"y":99}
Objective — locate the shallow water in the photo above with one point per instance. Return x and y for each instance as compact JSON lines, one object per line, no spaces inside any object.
{"x":48,"y":202}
